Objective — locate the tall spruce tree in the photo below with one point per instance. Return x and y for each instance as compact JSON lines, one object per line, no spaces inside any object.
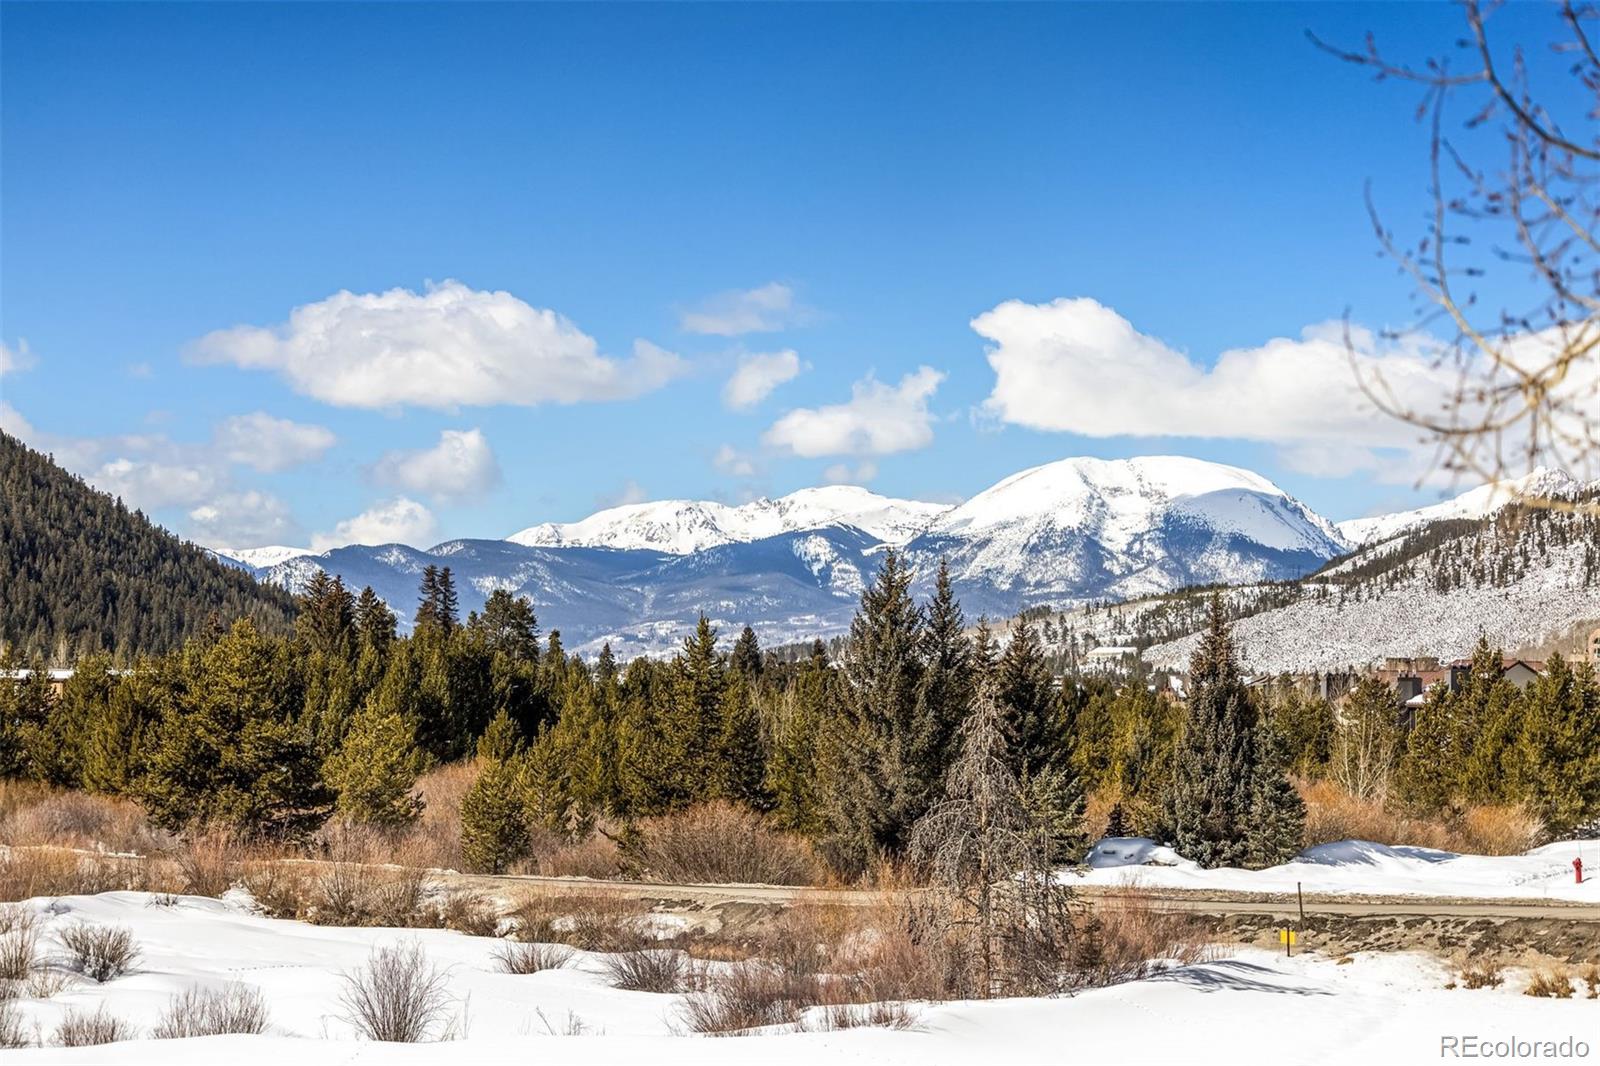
{"x":1212,"y":800}
{"x":874,"y":791}
{"x":945,"y":697}
{"x":375,"y":770}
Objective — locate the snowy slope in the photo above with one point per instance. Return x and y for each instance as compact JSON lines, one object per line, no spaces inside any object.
{"x":1082,"y":528}
{"x":1475,"y":503}
{"x":1243,"y":1006}
{"x":681,"y":527}
{"x":262,"y":558}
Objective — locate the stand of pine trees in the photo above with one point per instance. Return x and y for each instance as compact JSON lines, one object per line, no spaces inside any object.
{"x":267,"y":735}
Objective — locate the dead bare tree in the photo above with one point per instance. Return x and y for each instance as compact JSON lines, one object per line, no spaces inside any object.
{"x":1526,"y":369}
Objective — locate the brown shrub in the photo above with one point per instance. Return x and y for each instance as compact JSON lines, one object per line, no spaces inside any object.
{"x":19,"y":943}
{"x":399,"y":997}
{"x":234,"y":1008}
{"x":1123,"y":936}
{"x":354,"y":893}
{"x":1491,"y":830}
{"x":648,"y":970}
{"x":434,"y":841}
{"x":588,"y":922}
{"x":521,"y":958}
{"x":281,"y":890}
{"x":469,"y":912}
{"x":208,"y":864}
{"x":750,"y":995}
{"x":722,"y":843}
{"x":26,"y":873}
{"x":864,"y":1015}
{"x":13,"y":1030}
{"x":83,"y":1029}
{"x":596,"y":856}
{"x":100,"y":952}
{"x":1550,"y":985}
{"x":35,"y":814}
{"x":1482,"y":975}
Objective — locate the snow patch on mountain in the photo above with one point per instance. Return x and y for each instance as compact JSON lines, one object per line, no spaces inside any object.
{"x":1480,"y":502}
{"x":681,"y":527}
{"x":262,"y":558}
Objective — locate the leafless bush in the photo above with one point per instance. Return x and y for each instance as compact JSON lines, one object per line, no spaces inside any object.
{"x":234,"y":1008}
{"x":522,"y":958}
{"x":751,"y":995}
{"x":469,"y":912}
{"x":595,"y":856}
{"x":1498,"y":830}
{"x":1591,"y":980}
{"x":400,"y":997}
{"x":208,"y":864}
{"x":889,"y":1015}
{"x":649,"y":970}
{"x":1550,"y":985}
{"x":1482,"y":975}
{"x":33,"y":814}
{"x":14,"y":1032}
{"x":83,"y":1029}
{"x":19,"y":943}
{"x":279,"y":889}
{"x":26,"y":873}
{"x":47,"y":983}
{"x":1125,"y":935}
{"x":589,"y":923}
{"x":355,"y":893}
{"x":100,"y":952}
{"x":722,"y":843}
{"x":1332,"y":814}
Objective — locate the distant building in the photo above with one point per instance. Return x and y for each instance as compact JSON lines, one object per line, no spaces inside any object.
{"x":58,"y":677}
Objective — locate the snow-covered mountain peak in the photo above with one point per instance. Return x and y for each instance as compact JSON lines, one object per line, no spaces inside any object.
{"x":1474,"y":503}
{"x":262,"y":558}
{"x":681,"y":527}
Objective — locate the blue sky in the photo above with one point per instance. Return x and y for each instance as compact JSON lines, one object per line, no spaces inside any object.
{"x":584,"y":209}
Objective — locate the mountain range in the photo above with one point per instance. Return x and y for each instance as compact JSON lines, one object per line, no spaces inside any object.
{"x":1067,"y":532}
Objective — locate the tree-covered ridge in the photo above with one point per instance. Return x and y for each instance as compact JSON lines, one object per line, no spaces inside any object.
{"x":81,"y":573}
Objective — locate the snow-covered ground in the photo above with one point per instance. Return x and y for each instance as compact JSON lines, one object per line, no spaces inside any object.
{"x":1359,"y":867}
{"x":1251,"y":1006}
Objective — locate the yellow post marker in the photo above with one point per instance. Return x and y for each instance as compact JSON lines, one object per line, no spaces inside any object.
{"x":1287,"y":938}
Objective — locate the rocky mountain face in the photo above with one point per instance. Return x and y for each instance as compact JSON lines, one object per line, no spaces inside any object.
{"x":639,"y":575}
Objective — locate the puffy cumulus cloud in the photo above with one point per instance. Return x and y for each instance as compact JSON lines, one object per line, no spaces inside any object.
{"x":846,"y":474}
{"x":768,"y":309}
{"x":1076,"y":366}
{"x":446,"y":347}
{"x":397,"y":521}
{"x":13,"y":359}
{"x":731,"y":461}
{"x":159,"y":477}
{"x":757,"y":375}
{"x":248,"y":519}
{"x":461,"y":466}
{"x":879,"y":419}
{"x":270,"y":444}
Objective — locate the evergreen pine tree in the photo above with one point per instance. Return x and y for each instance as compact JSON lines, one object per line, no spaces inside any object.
{"x":375,"y":770}
{"x":1212,"y":796}
{"x":948,"y":687}
{"x":494,"y":826}
{"x":1035,"y":722}
{"x":745,"y":659}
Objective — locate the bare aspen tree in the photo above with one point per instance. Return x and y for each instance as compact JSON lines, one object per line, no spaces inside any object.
{"x":1507,"y":268}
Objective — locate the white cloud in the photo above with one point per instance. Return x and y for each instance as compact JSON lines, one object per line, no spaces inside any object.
{"x":163,"y":477}
{"x":270,"y":444}
{"x":1076,"y":366}
{"x":397,"y":521}
{"x":15,"y":359}
{"x":845,"y":474}
{"x":757,"y":375}
{"x":728,"y":314}
{"x":248,"y":519}
{"x":460,"y":467}
{"x":631,"y":492}
{"x":731,"y":461}
{"x":446,"y":347}
{"x":878,"y":420}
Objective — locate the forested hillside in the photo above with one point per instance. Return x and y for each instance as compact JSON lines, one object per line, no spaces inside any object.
{"x":80,"y":572}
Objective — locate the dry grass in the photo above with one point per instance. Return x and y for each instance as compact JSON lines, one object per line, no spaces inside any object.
{"x":520,"y":958}
{"x":100,"y":952}
{"x":27,"y":873}
{"x":648,"y":970}
{"x":14,"y":1032}
{"x":234,"y":1008}
{"x":83,"y":1029}
{"x":750,"y":995}
{"x":47,"y":983}
{"x":469,"y":912}
{"x":36,"y":814}
{"x":1482,"y":975}
{"x":1550,"y":985}
{"x":1591,"y":981}
{"x":1126,"y":936}
{"x":597,"y":857}
{"x":400,"y":997}
{"x":1333,"y":814}
{"x":589,"y":923}
{"x":722,"y":843}
{"x":208,"y":865}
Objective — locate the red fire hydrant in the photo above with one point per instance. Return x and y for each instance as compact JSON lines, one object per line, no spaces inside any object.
{"x":1577,"y":868}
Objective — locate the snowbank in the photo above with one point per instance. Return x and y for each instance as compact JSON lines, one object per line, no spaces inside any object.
{"x":1253,"y":1007}
{"x":1357,"y":867}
